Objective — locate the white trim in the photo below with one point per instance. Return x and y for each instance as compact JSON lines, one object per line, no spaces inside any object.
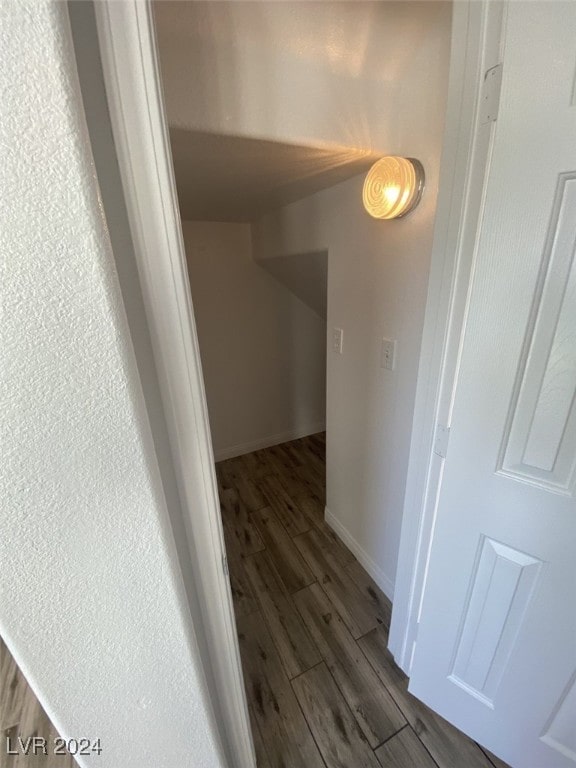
{"x":476,"y":36}
{"x":133,"y":87}
{"x":126,"y":34}
{"x":384,"y":582}
{"x":266,"y":442}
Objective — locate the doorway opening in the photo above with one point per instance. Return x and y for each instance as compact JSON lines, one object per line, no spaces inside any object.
{"x":296,"y":293}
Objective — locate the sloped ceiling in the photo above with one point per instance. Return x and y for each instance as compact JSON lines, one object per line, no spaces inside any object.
{"x":229,"y":178}
{"x":269,"y":102}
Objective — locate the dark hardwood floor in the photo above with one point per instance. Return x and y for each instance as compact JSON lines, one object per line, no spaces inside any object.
{"x":322,"y":689}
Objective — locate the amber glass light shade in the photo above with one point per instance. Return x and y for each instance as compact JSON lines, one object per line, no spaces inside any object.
{"x":393,"y":187}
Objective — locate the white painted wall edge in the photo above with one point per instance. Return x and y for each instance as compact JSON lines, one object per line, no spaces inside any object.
{"x":266,"y":442}
{"x":476,"y":35}
{"x":382,"y":580}
{"x":133,"y":86}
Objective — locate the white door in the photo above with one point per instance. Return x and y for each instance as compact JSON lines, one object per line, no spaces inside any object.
{"x":496,"y":646}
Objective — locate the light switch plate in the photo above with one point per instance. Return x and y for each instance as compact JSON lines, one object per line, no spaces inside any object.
{"x":388,"y":355}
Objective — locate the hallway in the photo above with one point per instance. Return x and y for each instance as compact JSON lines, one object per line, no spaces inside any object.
{"x":322,"y":688}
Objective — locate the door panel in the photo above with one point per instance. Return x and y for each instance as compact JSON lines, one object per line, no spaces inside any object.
{"x":541,"y":444}
{"x":501,"y":588}
{"x":496,"y":647}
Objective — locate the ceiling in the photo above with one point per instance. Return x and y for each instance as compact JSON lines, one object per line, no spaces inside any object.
{"x":228,"y":178}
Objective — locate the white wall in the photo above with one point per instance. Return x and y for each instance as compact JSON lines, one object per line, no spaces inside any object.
{"x":377,"y":282}
{"x":92,"y":601}
{"x":299,"y":72}
{"x":263,"y":350}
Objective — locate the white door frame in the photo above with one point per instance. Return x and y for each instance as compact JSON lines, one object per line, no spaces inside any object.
{"x":134,"y":90}
{"x":468,"y":137}
{"x":133,"y":86}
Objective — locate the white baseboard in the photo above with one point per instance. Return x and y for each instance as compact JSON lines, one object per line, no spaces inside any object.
{"x":384,"y":582}
{"x":265,"y":442}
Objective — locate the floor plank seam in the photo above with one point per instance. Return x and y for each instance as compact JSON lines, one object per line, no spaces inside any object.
{"x":304,"y":671}
{"x":308,"y":724}
{"x":423,"y":744}
{"x":386,"y":740}
{"x":390,"y":689}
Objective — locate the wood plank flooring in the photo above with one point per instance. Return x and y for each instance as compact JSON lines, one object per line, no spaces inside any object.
{"x":335,"y":730}
{"x":323,"y":690}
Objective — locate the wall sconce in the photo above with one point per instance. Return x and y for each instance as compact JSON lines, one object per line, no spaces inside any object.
{"x":393,"y":187}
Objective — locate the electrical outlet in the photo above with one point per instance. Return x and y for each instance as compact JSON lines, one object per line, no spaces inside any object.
{"x":388,"y":356}
{"x":337,"y":339}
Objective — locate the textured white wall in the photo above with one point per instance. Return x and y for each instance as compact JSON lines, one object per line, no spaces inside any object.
{"x":263,"y":350}
{"x":377,"y":283}
{"x":300,"y":72}
{"x":92,"y":603}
